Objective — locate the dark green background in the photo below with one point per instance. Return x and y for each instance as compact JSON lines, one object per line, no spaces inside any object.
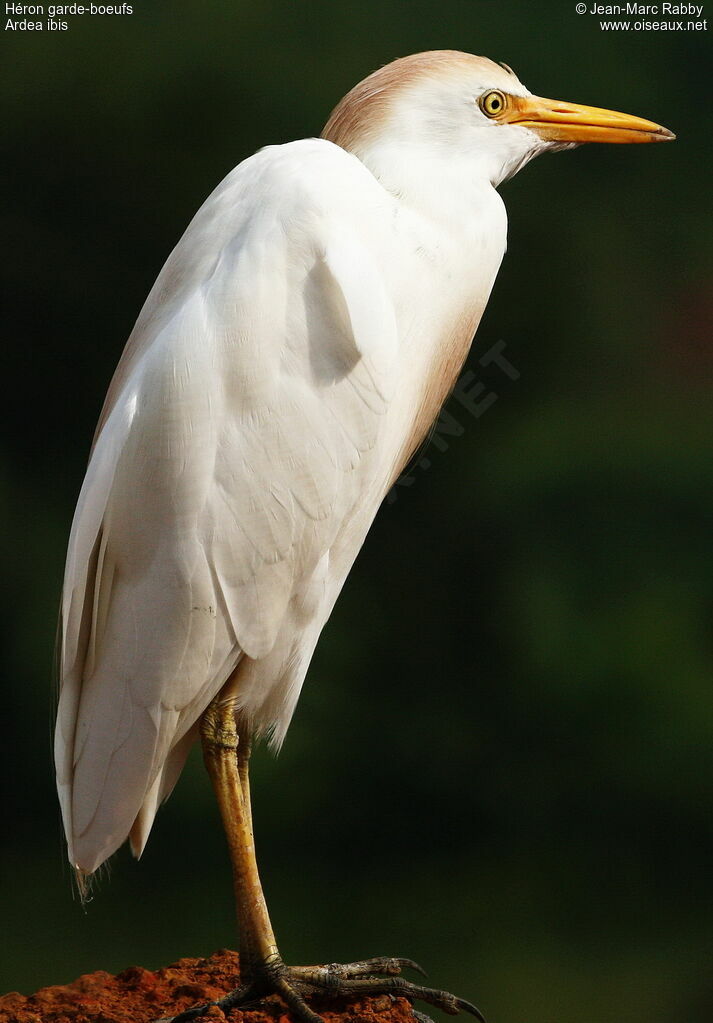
{"x":502,"y":762}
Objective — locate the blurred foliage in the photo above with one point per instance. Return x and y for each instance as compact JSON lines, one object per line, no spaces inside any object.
{"x":502,"y":761}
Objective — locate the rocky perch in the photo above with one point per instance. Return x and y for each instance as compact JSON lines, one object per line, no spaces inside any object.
{"x":137,"y":995}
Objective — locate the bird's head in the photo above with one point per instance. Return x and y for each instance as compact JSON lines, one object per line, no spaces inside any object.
{"x":446,"y":104}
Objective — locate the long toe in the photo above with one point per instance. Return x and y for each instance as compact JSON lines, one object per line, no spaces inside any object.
{"x":240,"y":996}
{"x":325,"y":976}
{"x":295,"y":1002}
{"x":398,"y":986}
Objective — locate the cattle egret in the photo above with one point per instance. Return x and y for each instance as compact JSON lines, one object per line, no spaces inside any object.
{"x":288,"y":361}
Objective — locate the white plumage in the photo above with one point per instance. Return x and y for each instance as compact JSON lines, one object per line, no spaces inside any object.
{"x":292,"y":354}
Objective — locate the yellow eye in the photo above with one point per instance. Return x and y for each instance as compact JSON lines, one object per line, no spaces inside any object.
{"x":492,"y":103}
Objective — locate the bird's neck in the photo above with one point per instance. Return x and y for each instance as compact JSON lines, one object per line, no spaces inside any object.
{"x":449,"y":192}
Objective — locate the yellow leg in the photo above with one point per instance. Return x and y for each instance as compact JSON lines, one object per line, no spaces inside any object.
{"x":227,"y":766}
{"x":244,"y":750}
{"x":226,"y":751}
{"x":247,"y":952}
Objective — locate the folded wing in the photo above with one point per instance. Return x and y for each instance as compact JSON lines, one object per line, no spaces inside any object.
{"x":238,"y":432}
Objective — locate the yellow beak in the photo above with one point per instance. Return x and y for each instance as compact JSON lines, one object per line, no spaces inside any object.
{"x":570,"y":122}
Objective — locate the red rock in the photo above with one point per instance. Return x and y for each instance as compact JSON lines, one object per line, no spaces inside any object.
{"x":137,"y":995}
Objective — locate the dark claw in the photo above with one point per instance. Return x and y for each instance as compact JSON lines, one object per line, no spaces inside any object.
{"x":392,"y":965}
{"x":472,"y":1009}
{"x":411,"y":965}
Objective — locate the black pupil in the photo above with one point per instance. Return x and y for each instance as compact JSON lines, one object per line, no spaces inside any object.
{"x":494,"y":102}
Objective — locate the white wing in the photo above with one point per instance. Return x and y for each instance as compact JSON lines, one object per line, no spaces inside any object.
{"x":246,"y":410}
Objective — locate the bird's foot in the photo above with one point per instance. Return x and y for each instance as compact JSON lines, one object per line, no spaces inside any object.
{"x":294,"y":984}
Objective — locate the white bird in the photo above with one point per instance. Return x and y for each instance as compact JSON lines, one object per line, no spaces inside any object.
{"x":292,"y":355}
